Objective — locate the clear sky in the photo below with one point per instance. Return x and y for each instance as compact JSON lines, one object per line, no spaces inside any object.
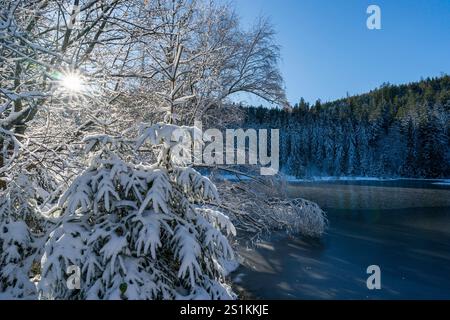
{"x":327,"y":50}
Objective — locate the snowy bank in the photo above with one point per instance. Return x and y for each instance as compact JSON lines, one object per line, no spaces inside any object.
{"x":444,"y":182}
{"x":336,"y":178}
{"x":352,"y":178}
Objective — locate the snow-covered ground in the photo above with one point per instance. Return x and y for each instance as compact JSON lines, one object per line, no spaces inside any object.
{"x":232,"y":176}
{"x":289,"y":178}
{"x":445,"y":182}
{"x":335,"y":178}
{"x":352,"y":178}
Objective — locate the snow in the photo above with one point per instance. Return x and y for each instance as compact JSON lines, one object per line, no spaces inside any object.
{"x":136,"y":231}
{"x":136,"y":227}
{"x":229,"y":266}
{"x":445,"y":182}
{"x":149,"y":235}
{"x":233,"y":177}
{"x":290,"y":178}
{"x":336,"y":178}
{"x":188,"y":251}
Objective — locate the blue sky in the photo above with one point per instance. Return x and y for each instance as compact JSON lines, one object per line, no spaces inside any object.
{"x":328,"y":51}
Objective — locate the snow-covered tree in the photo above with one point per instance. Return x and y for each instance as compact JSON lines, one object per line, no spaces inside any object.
{"x":21,"y":231}
{"x":138,"y":231}
{"x":84,"y":67}
{"x":201,"y":55}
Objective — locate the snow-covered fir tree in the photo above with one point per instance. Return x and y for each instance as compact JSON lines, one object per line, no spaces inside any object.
{"x":21,"y":230}
{"x":392,"y":131}
{"x":138,"y":231}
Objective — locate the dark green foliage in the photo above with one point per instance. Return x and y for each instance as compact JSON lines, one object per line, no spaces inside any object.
{"x":391,"y":131}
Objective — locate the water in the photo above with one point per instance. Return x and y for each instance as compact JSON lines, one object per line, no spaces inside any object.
{"x":401,"y":226}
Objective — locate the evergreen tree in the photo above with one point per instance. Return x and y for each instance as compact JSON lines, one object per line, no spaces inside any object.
{"x":391,"y":131}
{"x":137,"y":231}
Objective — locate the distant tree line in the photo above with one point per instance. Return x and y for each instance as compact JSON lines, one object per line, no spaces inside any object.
{"x":395,"y":130}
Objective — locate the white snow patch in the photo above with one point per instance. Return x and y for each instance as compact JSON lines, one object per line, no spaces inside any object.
{"x":336,"y":178}
{"x":229,"y":266}
{"x":350,"y":178}
{"x":445,"y":182}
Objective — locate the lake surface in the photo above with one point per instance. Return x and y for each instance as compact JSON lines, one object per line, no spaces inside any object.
{"x":402,"y":226}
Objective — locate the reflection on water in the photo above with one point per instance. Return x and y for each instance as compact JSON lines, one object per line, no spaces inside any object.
{"x":402,"y":226}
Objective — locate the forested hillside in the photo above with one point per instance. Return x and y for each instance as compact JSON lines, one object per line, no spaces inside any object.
{"x":395,"y":130}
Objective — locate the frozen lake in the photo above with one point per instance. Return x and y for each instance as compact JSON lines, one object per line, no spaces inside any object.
{"x":402,"y":226}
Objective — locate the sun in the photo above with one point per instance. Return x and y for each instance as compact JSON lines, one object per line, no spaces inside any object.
{"x":72,"y":82}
